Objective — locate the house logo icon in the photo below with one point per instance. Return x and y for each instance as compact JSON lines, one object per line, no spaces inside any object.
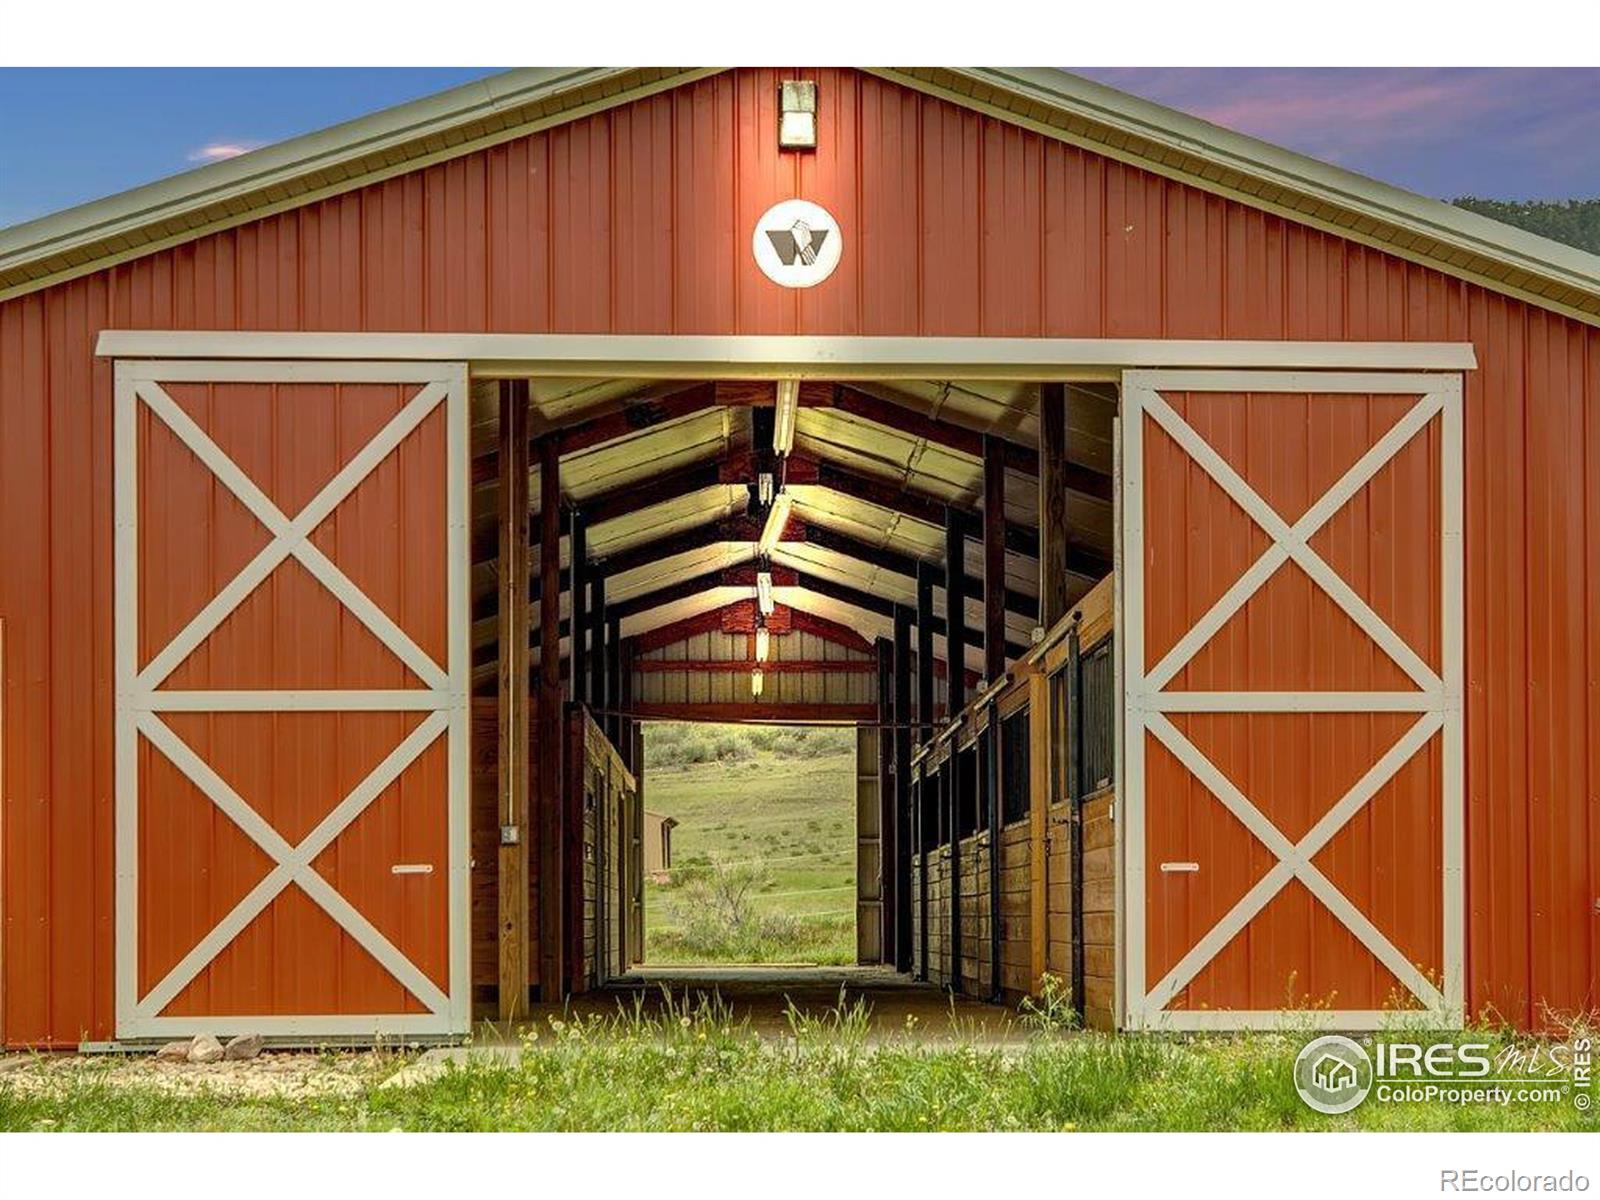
{"x":797,"y":244}
{"x":1333,"y":1074}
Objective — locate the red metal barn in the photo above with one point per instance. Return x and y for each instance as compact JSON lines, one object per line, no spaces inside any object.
{"x":1199,"y":534}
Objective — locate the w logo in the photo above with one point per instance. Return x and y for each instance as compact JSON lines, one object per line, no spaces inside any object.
{"x":799,"y":241}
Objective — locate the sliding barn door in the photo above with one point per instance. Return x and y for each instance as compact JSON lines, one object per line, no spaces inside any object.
{"x":291,"y":713}
{"x":1292,"y":592}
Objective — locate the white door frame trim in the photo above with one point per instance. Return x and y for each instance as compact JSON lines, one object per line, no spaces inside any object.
{"x":1437,"y":698}
{"x":140,"y":701}
{"x":669,"y":356}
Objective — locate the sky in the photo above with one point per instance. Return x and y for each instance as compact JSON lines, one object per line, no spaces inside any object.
{"x":1516,"y":134}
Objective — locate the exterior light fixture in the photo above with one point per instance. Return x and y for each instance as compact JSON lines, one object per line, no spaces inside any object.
{"x":764,"y":592}
{"x":777,"y":518}
{"x":763,"y":643}
{"x":783,"y":420}
{"x":755,"y":683}
{"x":797,"y":114}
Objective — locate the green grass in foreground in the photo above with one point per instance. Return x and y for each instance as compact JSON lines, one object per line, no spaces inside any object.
{"x":702,"y":1071}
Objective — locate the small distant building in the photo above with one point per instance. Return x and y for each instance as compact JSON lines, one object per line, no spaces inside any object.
{"x":658,"y":844}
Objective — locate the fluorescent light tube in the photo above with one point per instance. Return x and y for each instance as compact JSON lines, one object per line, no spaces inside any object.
{"x":783,"y":419}
{"x":777,"y":518}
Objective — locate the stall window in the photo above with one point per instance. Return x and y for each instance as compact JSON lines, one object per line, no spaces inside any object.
{"x":1016,"y":785}
{"x":971,"y":779}
{"x":1098,"y":691}
{"x":1059,"y":725}
{"x":932,"y":801}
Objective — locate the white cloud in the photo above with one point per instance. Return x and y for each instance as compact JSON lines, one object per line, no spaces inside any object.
{"x":218,"y":151}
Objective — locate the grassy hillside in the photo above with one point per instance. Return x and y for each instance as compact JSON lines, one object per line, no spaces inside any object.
{"x":1575,"y":222}
{"x":766,"y":827}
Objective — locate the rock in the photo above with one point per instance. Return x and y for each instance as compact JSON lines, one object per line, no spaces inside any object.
{"x":175,"y":1051}
{"x":246,"y":1045}
{"x":206,"y":1049}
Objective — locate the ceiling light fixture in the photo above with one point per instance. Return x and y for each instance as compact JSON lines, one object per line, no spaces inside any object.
{"x":763,"y":643}
{"x":756,"y":682}
{"x":764,"y":593}
{"x":777,"y":518}
{"x":783,"y":419}
{"x":797,"y":114}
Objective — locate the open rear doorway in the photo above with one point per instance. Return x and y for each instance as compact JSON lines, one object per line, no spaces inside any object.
{"x":752,"y":851}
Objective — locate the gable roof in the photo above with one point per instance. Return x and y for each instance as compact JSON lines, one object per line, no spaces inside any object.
{"x":1052,"y":102}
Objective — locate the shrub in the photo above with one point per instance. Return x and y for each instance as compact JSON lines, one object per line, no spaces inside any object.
{"x":716,"y":917}
{"x":730,"y":746}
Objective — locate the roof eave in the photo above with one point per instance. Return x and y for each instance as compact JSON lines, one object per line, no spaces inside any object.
{"x":1553,"y":270}
{"x":139,"y":222}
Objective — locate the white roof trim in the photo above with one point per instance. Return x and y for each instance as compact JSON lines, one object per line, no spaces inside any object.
{"x":743,"y":356}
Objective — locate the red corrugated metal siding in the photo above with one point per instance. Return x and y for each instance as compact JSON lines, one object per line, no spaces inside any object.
{"x":638,"y":220}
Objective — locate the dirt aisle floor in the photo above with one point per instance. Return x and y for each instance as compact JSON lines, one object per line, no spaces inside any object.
{"x":769,"y":997}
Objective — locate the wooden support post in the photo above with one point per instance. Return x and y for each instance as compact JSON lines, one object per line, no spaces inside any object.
{"x":551,"y":702}
{"x":994,"y":559}
{"x":886,"y":790}
{"x":1041,"y":723}
{"x":514,"y":720}
{"x":613,"y":694}
{"x":1053,"y":536}
{"x":955,"y":613}
{"x":900,"y":864}
{"x":991,"y":784}
{"x":925,"y":715}
{"x":633,"y":739}
{"x":577,"y":656}
{"x":597,"y":641}
{"x":1075,"y":811}
{"x":954,"y":791}
{"x":575,"y":802}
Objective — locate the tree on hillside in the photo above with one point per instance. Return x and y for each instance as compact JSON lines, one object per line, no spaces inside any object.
{"x":1575,"y":222}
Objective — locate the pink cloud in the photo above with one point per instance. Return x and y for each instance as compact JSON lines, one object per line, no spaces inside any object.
{"x":1352,"y":109}
{"x":218,"y":151}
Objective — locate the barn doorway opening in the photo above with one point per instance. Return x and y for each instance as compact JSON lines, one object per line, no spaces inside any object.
{"x":750,"y":845}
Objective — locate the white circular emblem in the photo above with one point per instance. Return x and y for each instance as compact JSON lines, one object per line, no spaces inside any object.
{"x":1333,"y":1074}
{"x":797,"y":243}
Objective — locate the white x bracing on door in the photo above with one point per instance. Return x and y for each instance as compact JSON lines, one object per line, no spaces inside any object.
{"x":141,"y":700}
{"x":1436,"y":699}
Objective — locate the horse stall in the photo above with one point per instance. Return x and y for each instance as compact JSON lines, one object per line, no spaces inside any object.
{"x":1025,"y":777}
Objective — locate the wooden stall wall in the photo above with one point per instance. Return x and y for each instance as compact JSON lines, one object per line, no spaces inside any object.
{"x":600,"y":790}
{"x":1016,"y":918}
{"x":561,"y":231}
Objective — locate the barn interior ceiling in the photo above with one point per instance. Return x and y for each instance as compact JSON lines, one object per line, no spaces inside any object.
{"x":664,"y":475}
